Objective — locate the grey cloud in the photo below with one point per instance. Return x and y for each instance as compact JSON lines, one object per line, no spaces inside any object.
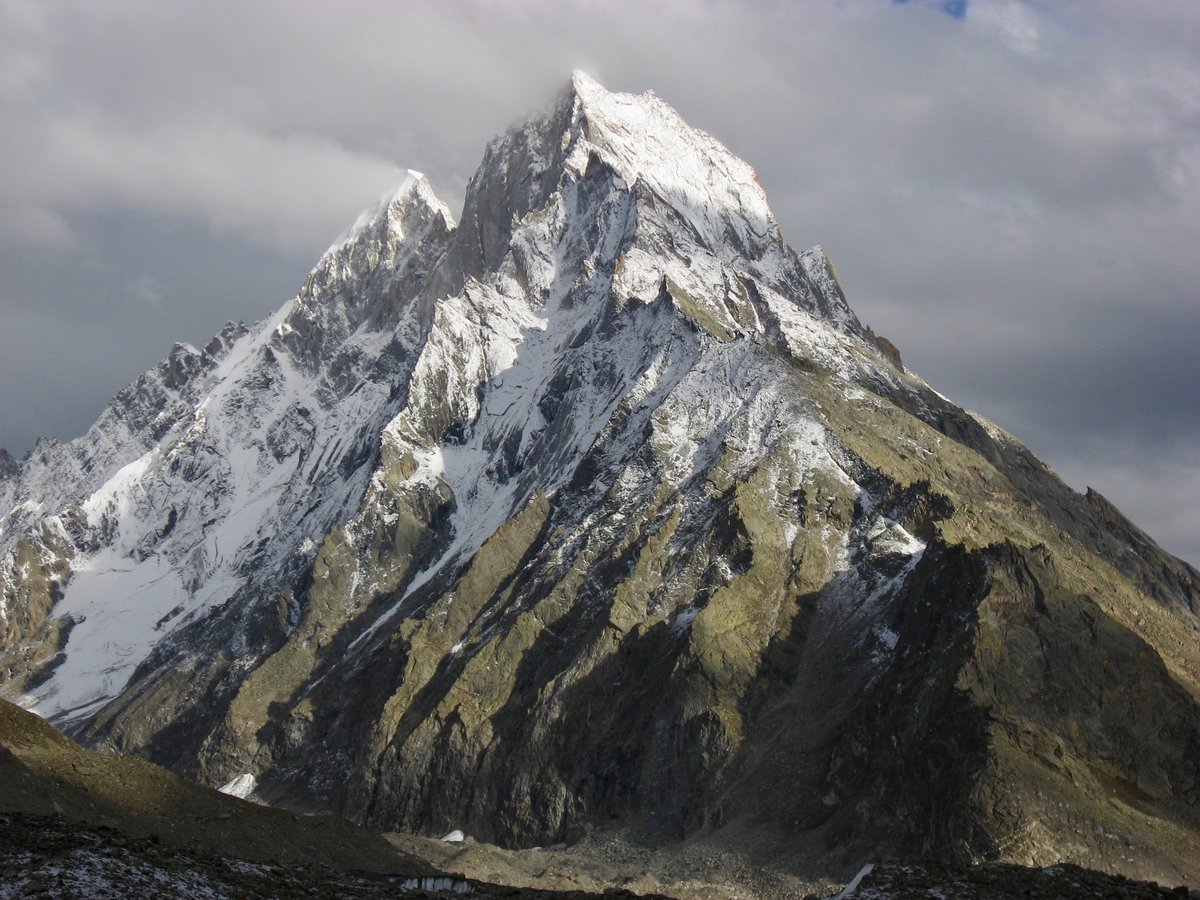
{"x":277,"y":191}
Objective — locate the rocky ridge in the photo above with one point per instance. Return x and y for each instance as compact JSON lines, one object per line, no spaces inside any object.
{"x":602,"y":509}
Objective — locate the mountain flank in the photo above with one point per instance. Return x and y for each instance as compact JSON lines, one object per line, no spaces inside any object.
{"x":76,"y":823}
{"x":599,"y":512}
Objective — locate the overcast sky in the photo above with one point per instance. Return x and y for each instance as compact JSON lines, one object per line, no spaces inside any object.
{"x":1010,"y":188}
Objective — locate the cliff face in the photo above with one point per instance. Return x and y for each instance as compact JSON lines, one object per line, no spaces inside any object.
{"x":603,"y":507}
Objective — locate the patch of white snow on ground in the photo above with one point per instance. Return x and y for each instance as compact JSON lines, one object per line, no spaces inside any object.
{"x":888,"y":536}
{"x":848,"y":890}
{"x":438,"y":883}
{"x":644,"y":139}
{"x":241,"y":787}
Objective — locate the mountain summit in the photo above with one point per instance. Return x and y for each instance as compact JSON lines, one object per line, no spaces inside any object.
{"x":601,"y":509}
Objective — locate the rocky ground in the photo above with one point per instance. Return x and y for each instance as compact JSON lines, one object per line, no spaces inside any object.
{"x":47,"y":856}
{"x":74,"y":823}
{"x":992,"y":880}
{"x":701,"y":871}
{"x":50,"y":857}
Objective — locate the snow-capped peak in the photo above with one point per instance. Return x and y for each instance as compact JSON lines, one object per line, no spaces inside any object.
{"x":582,"y":82}
{"x":413,"y":192}
{"x":646,"y":140}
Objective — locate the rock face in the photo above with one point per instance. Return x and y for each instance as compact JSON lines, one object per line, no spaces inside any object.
{"x":603,"y":508}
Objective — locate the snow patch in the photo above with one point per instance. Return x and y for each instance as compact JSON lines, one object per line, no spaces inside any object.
{"x":437,"y":884}
{"x":241,"y":787}
{"x":849,"y":889}
{"x":115,"y":604}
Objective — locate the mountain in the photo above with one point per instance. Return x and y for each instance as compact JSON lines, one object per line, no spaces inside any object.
{"x":601,"y":511}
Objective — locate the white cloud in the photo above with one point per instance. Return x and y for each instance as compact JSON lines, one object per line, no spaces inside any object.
{"x":30,"y":223}
{"x":1017,"y":25}
{"x":148,"y":291}
{"x":284,"y":192}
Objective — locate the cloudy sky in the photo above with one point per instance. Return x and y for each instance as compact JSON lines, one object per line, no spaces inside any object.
{"x":1010,"y":188}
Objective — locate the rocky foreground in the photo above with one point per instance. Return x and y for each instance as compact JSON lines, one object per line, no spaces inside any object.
{"x":49,"y":856}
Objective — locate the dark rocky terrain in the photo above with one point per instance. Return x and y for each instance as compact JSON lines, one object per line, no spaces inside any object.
{"x":999,"y":880}
{"x":50,"y":857}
